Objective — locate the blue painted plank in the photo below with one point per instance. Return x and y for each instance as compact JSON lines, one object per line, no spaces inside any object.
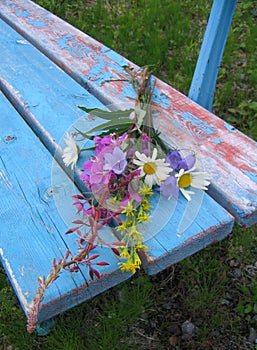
{"x":32,"y":231}
{"x":182,"y":122}
{"x":191,"y":227}
{"x":36,"y":81}
{"x":203,"y":84}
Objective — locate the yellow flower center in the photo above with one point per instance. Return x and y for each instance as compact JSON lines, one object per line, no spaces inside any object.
{"x":149,"y":168}
{"x":185,"y":180}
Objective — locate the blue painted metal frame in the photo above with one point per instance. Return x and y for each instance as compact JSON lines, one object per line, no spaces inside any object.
{"x":204,"y":80}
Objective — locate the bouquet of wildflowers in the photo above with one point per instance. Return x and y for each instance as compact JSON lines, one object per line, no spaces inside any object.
{"x":129,"y":162}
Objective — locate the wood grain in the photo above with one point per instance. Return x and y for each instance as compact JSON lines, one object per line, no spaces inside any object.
{"x":43,"y":91}
{"x":226,"y":153}
{"x":32,"y":231}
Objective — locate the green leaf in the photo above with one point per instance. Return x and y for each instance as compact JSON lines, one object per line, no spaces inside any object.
{"x":84,"y":134}
{"x":112,"y":126}
{"x":140,"y":114}
{"x":248,"y":309}
{"x":109,"y":115}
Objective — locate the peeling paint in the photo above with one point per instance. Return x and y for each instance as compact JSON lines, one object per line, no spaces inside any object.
{"x":24,"y":13}
{"x":74,"y":46}
{"x":4,"y":180}
{"x":114,"y":56}
{"x":194,"y":123}
{"x":21,"y":269}
{"x":161,"y":98}
{"x":217,"y":141}
{"x":251,"y":175}
{"x":22,"y":42}
{"x":230,"y":127}
{"x":37,"y":23}
{"x":14,"y":282}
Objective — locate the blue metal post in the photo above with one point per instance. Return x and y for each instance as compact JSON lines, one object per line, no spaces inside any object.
{"x":204,"y":80}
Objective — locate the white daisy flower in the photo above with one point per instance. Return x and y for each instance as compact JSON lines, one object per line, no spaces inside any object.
{"x":154,"y":170}
{"x":71,"y":152}
{"x":192,"y":178}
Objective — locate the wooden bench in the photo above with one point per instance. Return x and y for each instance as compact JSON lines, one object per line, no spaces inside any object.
{"x":48,"y":68}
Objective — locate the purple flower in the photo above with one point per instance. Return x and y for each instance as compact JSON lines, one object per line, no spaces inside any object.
{"x":169,"y":187}
{"x":177,"y":162}
{"x":98,"y":174}
{"x":115,"y":161}
{"x":87,"y":169}
{"x":122,"y":138}
{"x":102,"y":142}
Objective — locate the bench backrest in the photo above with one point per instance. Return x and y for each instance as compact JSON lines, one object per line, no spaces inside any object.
{"x":204,"y":80}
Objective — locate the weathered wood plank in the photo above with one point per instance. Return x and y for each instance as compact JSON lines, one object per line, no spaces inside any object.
{"x":36,"y":84}
{"x":207,"y":68}
{"x":229,"y":155}
{"x":174,"y":240}
{"x":32,"y":232}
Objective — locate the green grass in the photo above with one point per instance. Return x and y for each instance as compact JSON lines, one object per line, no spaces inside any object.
{"x":167,"y":33}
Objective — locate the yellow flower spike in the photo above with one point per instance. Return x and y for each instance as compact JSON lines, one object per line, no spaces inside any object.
{"x":129,"y":223}
{"x":145,"y":190}
{"x":134,"y":233}
{"x":122,"y":227}
{"x":125,"y":253}
{"x":137,"y":261}
{"x":142,"y":217}
{"x":129,"y":267}
{"x":129,"y":210}
{"x":145,"y":205}
{"x":140,"y":246}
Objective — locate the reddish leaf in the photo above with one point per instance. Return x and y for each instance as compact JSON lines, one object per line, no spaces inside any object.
{"x":78,"y":196}
{"x":78,"y":222}
{"x":67,"y":255}
{"x":96,"y":273}
{"x":91,"y":274}
{"x":118,"y":244}
{"x":115,"y":251}
{"x":71,"y":230}
{"x":80,"y":241}
{"x":93,"y":257}
{"x":73,"y":268}
{"x":102,"y":263}
{"x":91,"y":247}
{"x":79,"y":232}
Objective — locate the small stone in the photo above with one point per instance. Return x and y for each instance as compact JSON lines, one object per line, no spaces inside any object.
{"x":233,"y":263}
{"x":173,"y":340}
{"x":153,"y":324}
{"x":224,"y":302}
{"x":237,"y":273}
{"x":228,"y":296}
{"x":252,"y":336}
{"x":175,"y":330}
{"x":188,"y":330}
{"x":166,"y":306}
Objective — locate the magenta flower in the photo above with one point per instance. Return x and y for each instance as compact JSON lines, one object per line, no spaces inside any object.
{"x":122,"y":138}
{"x":98,"y":174}
{"x":102,"y":142}
{"x":87,"y":169}
{"x":115,"y":161}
